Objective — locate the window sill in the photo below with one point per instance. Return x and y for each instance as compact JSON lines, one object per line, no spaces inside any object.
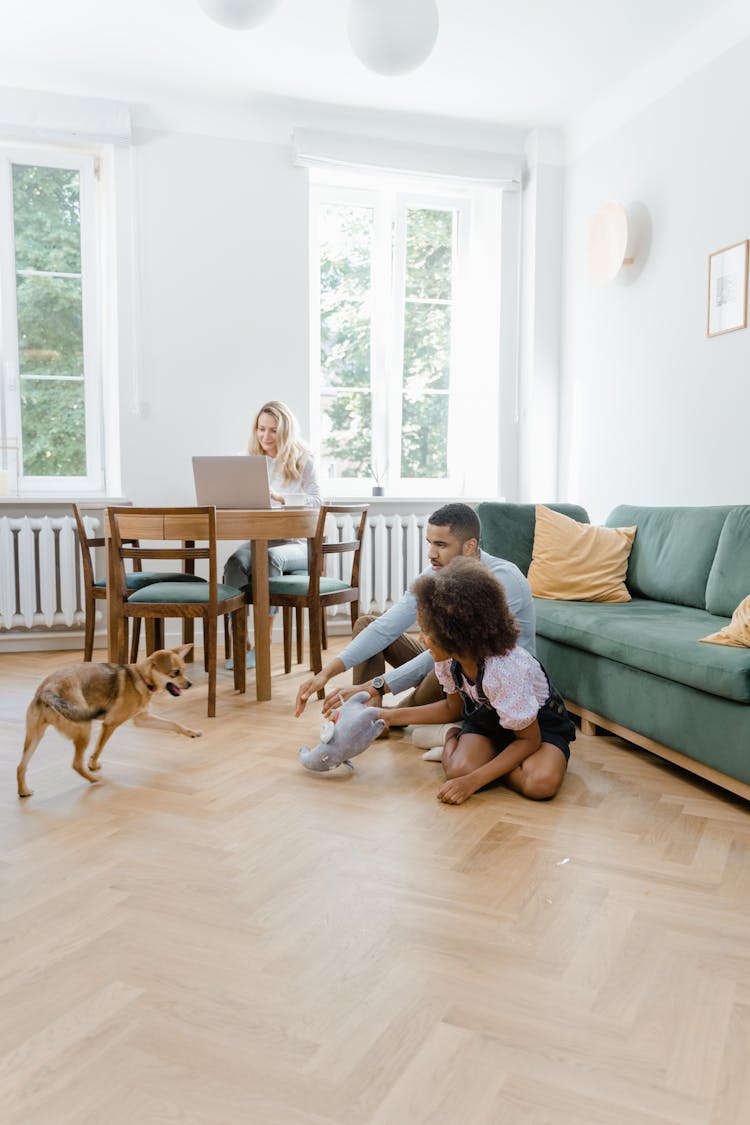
{"x":394,"y":502}
{"x":61,"y":501}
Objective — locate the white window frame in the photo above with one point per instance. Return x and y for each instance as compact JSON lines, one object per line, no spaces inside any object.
{"x":87,"y":164}
{"x":391,"y":200}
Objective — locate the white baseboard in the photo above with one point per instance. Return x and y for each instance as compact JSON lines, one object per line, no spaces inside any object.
{"x":58,"y":640}
{"x":51,"y":640}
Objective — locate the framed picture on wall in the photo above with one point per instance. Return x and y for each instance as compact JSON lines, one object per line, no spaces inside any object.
{"x":727,"y":289}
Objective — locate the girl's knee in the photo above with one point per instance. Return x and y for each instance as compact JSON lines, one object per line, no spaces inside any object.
{"x":455,"y":763}
{"x":541,"y":781}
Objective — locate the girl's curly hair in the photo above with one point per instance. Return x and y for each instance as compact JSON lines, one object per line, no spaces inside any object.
{"x":463,"y":608}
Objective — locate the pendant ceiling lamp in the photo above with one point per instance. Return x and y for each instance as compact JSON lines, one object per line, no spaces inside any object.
{"x":393,"y":36}
{"x":389,"y":36}
{"x":238,"y":14}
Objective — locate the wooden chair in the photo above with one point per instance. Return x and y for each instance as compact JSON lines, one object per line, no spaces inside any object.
{"x":95,"y":589}
{"x":178,"y":530}
{"x":314,"y":591}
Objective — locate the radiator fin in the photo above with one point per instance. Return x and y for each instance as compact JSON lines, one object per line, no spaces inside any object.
{"x":40,"y":581}
{"x":393,"y":554}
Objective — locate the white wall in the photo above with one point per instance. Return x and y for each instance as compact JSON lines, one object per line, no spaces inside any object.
{"x":653,"y":412}
{"x":222,"y":275}
{"x":539,"y":326}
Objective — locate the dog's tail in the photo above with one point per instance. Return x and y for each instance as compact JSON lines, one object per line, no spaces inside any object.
{"x":70,"y":710}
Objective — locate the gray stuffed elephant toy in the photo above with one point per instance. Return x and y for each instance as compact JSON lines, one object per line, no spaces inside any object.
{"x":352,"y":731}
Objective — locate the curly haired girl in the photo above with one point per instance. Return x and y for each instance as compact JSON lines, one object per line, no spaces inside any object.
{"x":515,"y":726}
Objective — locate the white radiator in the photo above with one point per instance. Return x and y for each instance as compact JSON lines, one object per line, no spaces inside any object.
{"x":41,"y":580}
{"x":393,"y":554}
{"x":40,"y":572}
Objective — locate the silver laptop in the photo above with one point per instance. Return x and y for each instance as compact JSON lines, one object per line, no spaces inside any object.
{"x":232,"y":482}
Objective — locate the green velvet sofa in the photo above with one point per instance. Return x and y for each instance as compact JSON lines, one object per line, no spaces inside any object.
{"x":638,"y":668}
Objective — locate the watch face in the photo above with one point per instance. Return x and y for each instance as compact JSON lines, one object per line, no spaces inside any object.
{"x":379,"y":684}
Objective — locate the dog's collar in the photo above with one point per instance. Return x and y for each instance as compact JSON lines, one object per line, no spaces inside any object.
{"x":151,"y":687}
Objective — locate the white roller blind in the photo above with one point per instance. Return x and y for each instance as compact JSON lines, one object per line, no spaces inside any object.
{"x":58,"y":116}
{"x":317,"y":149}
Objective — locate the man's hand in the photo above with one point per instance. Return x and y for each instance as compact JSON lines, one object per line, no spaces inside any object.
{"x":339,"y":696}
{"x":317,"y":683}
{"x":308,"y":690}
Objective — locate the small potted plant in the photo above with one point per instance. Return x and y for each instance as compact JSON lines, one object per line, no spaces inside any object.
{"x":378,"y":475}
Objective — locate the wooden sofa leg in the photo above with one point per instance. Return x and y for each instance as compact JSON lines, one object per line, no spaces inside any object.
{"x":587,"y":727}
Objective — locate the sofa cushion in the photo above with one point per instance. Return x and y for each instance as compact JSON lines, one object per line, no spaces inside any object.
{"x":508,"y":529}
{"x":729,"y":578}
{"x":656,"y":637}
{"x":737,"y":632}
{"x":574,"y":561}
{"x":673,"y":551}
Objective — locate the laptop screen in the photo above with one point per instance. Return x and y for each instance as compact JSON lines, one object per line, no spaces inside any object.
{"x":232,"y":482}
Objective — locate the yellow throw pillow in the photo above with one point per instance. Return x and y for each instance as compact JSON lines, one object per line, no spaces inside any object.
{"x":737,"y":632}
{"x":575,"y":562}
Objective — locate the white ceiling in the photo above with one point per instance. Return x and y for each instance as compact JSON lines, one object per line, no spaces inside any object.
{"x":523,"y":64}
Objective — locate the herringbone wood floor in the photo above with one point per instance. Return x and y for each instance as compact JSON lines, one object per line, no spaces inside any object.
{"x":215,"y":936}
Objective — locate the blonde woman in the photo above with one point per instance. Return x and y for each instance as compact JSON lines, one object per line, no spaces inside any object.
{"x":292,"y":480}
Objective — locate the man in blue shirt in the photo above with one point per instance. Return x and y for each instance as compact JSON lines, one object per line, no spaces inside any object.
{"x":451,"y":530}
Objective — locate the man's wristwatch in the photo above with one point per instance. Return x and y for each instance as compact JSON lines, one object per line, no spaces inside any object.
{"x":380,"y":685}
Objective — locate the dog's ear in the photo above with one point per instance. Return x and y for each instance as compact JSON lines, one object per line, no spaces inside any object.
{"x":162,"y":659}
{"x":182,"y":650}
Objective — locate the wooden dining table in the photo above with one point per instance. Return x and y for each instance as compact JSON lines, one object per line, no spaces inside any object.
{"x":259,"y":526}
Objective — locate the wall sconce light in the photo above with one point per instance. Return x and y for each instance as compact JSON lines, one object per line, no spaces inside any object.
{"x":608,"y":242}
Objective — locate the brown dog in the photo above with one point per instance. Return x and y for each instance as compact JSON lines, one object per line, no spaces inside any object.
{"x":69,"y":699}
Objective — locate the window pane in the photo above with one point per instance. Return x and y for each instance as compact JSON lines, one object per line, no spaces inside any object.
{"x":424,"y":440}
{"x":50,"y":331}
{"x":429,"y":253}
{"x":427,"y":340}
{"x":53,"y":428}
{"x":345,"y":345}
{"x":345,"y":250}
{"x":346,"y":430}
{"x":46,"y":216}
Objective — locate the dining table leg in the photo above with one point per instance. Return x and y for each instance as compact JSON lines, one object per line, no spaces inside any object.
{"x":261,"y":609}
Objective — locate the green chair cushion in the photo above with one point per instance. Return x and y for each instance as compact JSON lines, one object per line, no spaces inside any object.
{"x":139,"y":578}
{"x":729,"y":579}
{"x":508,"y":529}
{"x":673,"y":551}
{"x":298,"y":585}
{"x":177,"y":592}
{"x":656,"y":637}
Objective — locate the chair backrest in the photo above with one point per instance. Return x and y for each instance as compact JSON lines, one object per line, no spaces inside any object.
{"x":177,"y":529}
{"x":320,"y":548}
{"x":88,"y":542}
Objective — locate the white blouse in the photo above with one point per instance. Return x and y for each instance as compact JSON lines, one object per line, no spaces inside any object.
{"x":304,"y":492}
{"x":515,"y":685}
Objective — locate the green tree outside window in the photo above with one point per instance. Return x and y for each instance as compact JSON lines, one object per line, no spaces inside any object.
{"x":47,"y":230}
